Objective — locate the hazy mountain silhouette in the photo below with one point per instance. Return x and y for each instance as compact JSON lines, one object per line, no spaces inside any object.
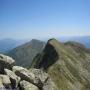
{"x":24,"y":54}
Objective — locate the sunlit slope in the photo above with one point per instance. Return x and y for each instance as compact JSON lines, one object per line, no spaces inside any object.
{"x":68,"y":64}
{"x":25,"y":53}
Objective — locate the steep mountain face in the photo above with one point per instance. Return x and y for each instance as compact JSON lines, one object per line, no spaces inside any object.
{"x":25,"y":53}
{"x":67,"y":64}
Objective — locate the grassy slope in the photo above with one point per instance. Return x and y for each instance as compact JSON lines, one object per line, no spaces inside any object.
{"x":71,"y":71}
{"x":25,"y":53}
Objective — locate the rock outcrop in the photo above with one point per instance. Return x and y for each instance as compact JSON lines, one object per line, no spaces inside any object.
{"x":6,"y":62}
{"x":5,"y":82}
{"x":18,"y":78}
{"x":24,"y":85}
{"x":14,"y":78}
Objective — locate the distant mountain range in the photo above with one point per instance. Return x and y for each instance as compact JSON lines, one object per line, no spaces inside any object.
{"x":25,"y":53}
{"x":81,"y":39}
{"x":8,"y":44}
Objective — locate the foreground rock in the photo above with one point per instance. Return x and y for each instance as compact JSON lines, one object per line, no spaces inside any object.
{"x":19,"y":78}
{"x":26,"y":75}
{"x":6,"y":62}
{"x":42,"y":76}
{"x":14,"y":78}
{"x":24,"y":85}
{"x":5,"y":82}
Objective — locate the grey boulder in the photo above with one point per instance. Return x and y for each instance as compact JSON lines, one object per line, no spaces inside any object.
{"x":40,"y":75}
{"x":14,"y":78}
{"x":6,"y":62}
{"x":26,"y":75}
{"x":24,"y":85}
{"x":5,"y":82}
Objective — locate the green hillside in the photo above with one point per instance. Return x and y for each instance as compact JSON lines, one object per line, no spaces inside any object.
{"x":25,"y":53}
{"x":67,"y":64}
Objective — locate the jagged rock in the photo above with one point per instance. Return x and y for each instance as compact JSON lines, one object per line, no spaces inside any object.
{"x":19,"y":78}
{"x":6,"y":62}
{"x":24,"y":85}
{"x":40,"y":74}
{"x":26,"y":75}
{"x":14,"y":78}
{"x":33,"y":79}
{"x":5,"y":82}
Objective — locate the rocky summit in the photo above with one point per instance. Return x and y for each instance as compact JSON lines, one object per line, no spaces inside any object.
{"x":14,"y":77}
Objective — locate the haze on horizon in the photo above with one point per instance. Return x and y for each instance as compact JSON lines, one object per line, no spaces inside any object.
{"x":22,"y":19}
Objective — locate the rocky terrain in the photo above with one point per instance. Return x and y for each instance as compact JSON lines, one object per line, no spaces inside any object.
{"x":68,"y":64}
{"x":14,"y":77}
{"x":58,"y":66}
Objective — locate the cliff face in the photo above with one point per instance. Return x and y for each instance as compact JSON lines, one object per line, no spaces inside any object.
{"x":67,"y":64}
{"x":48,"y":57}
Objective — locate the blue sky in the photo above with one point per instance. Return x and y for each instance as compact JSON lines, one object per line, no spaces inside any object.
{"x":44,"y":18}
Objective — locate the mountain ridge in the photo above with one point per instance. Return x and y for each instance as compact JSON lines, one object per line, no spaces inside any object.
{"x":69,"y":67}
{"x":24,"y":54}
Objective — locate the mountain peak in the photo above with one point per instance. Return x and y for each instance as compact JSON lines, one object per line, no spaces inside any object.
{"x":24,"y":54}
{"x":50,"y":54}
{"x":67,"y":66}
